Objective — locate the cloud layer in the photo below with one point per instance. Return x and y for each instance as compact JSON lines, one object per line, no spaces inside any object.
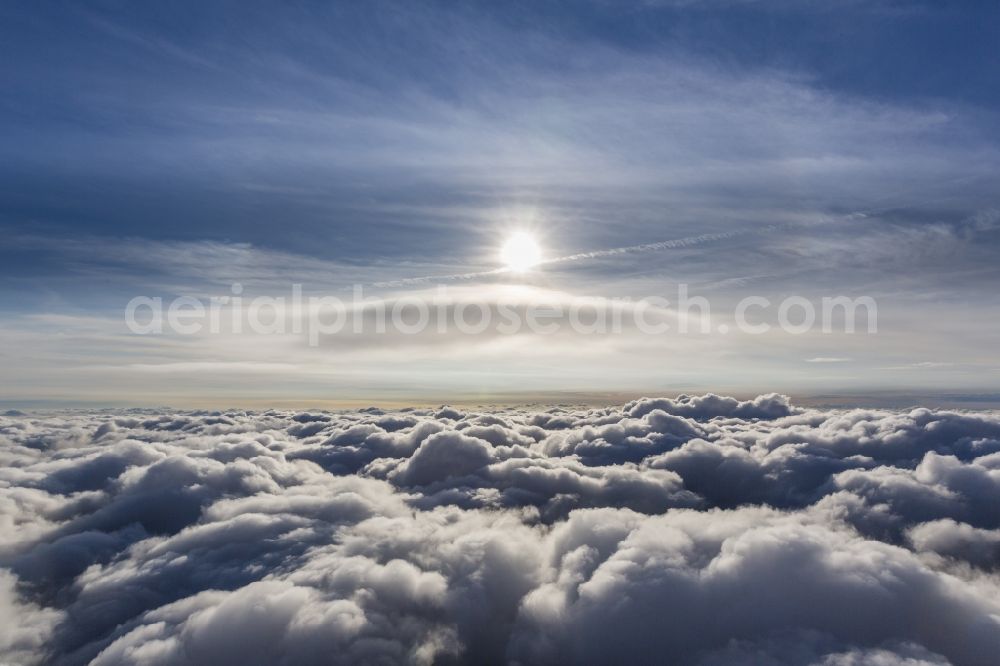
{"x":692,"y":530}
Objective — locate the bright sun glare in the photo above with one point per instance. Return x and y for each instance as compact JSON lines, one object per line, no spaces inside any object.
{"x":520,"y":252}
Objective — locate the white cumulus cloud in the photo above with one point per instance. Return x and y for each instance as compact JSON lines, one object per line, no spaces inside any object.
{"x":698,"y":530}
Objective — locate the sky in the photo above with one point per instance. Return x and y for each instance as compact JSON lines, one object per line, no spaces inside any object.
{"x":740,"y":148}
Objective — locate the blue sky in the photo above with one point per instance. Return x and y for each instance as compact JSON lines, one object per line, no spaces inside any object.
{"x":172,"y":149}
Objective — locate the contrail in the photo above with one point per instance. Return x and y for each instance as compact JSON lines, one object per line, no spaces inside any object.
{"x":581,"y":256}
{"x":438,"y":278}
{"x":655,"y":247}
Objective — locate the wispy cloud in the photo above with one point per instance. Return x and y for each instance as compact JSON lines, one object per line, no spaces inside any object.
{"x":920,"y":365}
{"x":582,"y":256}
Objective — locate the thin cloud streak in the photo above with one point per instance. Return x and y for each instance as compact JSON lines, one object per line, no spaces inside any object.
{"x":673,"y":244}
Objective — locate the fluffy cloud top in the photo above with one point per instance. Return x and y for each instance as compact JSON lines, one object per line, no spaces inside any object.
{"x":697,"y":530}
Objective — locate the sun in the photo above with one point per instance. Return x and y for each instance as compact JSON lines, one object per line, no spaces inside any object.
{"x":520,"y":252}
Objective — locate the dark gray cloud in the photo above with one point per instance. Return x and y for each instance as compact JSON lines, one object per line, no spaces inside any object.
{"x":693,"y":530}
